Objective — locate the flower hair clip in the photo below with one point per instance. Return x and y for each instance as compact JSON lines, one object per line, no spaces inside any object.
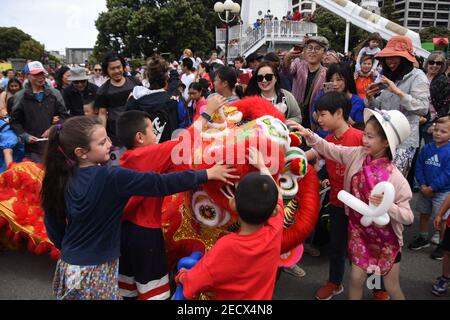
{"x":384,"y":114}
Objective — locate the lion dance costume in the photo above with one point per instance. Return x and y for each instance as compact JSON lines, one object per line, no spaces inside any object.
{"x":194,"y":221}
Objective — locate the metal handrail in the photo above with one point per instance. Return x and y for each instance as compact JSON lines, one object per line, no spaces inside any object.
{"x":243,"y":37}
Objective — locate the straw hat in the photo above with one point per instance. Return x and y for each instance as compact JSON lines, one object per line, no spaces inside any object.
{"x":398,"y":46}
{"x":394,"y":123}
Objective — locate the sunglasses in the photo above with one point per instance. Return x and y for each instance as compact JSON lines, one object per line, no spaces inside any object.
{"x":99,"y":70}
{"x":439,"y":63}
{"x":268,"y":77}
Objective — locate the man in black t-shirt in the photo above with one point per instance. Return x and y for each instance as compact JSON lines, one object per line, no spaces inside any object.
{"x":112,"y":96}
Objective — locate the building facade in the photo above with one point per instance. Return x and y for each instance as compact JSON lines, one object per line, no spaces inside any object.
{"x":419,"y":14}
{"x":78,"y":55}
{"x":306,"y":7}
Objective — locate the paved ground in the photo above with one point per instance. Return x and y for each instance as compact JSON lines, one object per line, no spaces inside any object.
{"x":26,"y":276}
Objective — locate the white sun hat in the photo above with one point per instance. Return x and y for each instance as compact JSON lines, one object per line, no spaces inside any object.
{"x":394,"y":123}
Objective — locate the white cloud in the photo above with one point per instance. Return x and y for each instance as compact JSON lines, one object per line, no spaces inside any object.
{"x":58,"y":24}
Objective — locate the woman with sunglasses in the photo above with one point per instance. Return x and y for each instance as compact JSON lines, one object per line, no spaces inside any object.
{"x":435,"y":67}
{"x":97,"y":78}
{"x":266,"y":83}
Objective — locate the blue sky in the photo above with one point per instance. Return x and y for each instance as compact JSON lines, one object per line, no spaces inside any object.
{"x":58,"y":24}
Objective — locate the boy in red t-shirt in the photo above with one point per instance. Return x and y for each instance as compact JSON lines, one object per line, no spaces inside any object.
{"x":333,"y":110}
{"x":243,"y":265}
{"x":143,"y":269}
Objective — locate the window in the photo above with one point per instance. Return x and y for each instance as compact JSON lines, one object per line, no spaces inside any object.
{"x":427,"y":23}
{"x":414,"y":5}
{"x":306,"y":6}
{"x":428,"y":15}
{"x":413,"y":23}
{"x":295,"y":2}
{"x":443,"y":16}
{"x":441,"y":24}
{"x":414,"y":14}
{"x":400,"y":6}
{"x":444,"y":7}
{"x":429,"y":6}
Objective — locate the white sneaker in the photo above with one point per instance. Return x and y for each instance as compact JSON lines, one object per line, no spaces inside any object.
{"x":436,"y":238}
{"x":295,"y":271}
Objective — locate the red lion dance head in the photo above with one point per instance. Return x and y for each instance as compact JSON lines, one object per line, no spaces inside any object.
{"x":194,"y":221}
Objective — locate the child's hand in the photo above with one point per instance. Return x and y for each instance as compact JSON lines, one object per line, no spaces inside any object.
{"x":426,"y":191}
{"x":256,"y":159}
{"x":376,"y":199}
{"x":325,"y":183}
{"x":214,"y":103}
{"x":306,"y":133}
{"x":31,"y":139}
{"x":222,"y":173}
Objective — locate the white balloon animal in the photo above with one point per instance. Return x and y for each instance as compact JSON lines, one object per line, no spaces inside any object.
{"x":371,"y":213}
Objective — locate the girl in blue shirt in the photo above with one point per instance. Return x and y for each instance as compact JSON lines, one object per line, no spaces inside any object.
{"x":83,"y":203}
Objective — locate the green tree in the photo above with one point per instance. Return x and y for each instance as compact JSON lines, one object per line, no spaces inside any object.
{"x":31,"y":49}
{"x":10,"y":41}
{"x":332,"y":27}
{"x":138,"y":28}
{"x":427,"y":34}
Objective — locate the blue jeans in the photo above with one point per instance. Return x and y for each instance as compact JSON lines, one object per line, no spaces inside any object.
{"x":338,"y":244}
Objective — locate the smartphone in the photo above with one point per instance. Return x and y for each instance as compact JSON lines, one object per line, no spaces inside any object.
{"x":297,"y":49}
{"x":327,"y":87}
{"x":380,"y":86}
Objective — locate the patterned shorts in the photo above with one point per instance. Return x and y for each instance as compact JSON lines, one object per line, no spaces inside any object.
{"x":403,"y":159}
{"x":98,"y":282}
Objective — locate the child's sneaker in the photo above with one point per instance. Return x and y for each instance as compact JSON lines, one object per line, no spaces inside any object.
{"x":329,"y":290}
{"x":441,"y":286}
{"x":418,"y":243}
{"x":438,"y":253}
{"x":380,"y":295}
{"x":295,"y":271}
{"x":436,"y":238}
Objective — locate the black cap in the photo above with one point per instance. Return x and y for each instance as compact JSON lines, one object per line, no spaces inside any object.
{"x":254,"y":56}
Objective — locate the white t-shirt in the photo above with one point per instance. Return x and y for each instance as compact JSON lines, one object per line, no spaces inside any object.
{"x":187,"y":80}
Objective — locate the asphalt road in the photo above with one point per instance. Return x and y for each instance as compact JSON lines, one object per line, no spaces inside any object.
{"x":26,"y":276}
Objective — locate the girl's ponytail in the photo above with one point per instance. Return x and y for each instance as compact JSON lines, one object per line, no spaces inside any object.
{"x":58,"y":170}
{"x":60,"y":160}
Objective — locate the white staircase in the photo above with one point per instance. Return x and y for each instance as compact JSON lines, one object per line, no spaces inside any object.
{"x":245,"y":39}
{"x":371,"y":22}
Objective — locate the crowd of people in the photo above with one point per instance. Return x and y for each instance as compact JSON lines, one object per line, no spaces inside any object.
{"x":381,"y":117}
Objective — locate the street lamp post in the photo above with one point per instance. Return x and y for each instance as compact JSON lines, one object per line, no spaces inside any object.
{"x":231,"y":10}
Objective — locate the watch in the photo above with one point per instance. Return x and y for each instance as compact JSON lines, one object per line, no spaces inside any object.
{"x":207,"y":117}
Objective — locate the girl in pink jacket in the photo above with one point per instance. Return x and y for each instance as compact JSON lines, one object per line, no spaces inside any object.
{"x":374,"y":248}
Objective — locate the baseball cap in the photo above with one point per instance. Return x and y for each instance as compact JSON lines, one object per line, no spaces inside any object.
{"x":35,"y":67}
{"x":322,"y":41}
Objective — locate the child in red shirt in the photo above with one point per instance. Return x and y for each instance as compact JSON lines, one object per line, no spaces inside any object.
{"x":243,"y":265}
{"x":143,"y":269}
